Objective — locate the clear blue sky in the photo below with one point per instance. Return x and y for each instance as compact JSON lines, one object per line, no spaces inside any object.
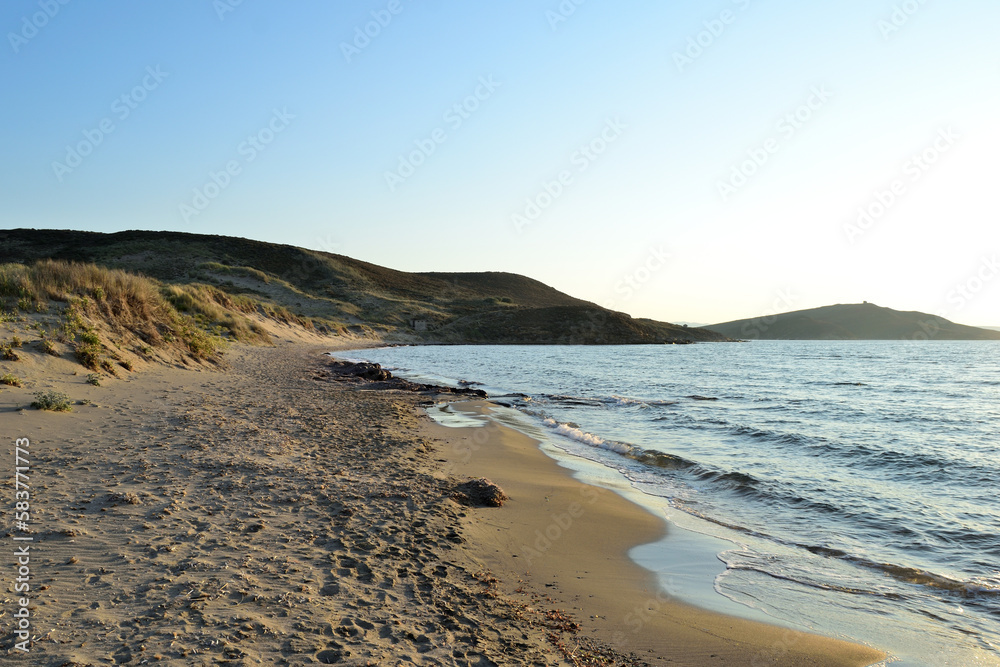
{"x":650,"y":219}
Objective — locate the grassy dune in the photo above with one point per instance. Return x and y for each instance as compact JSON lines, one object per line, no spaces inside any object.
{"x":111,"y":319}
{"x":338,"y":294}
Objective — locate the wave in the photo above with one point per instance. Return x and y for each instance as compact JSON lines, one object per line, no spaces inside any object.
{"x":910,"y":575}
{"x":842,"y":383}
{"x":971,"y":591}
{"x":571,"y":400}
{"x":894,"y":463}
{"x":802,"y":581}
{"x":648,"y":457}
{"x":602,"y":401}
{"x":573,"y":433}
{"x":966,"y":588}
{"x":640,"y":402}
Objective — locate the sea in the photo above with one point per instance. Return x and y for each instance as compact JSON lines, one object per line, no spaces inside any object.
{"x":849,"y":488}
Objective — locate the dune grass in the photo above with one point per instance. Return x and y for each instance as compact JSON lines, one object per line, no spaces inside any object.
{"x":199,"y":318}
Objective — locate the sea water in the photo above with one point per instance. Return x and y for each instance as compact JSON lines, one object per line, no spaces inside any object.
{"x":849,"y":488}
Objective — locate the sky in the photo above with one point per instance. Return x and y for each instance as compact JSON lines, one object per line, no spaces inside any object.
{"x":685,"y":161}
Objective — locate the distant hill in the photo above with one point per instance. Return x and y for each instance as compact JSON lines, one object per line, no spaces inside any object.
{"x":859,"y":321}
{"x":991,"y":328}
{"x":488,"y":307}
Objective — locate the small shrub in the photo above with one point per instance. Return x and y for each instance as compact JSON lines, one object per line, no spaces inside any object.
{"x":90,"y":338}
{"x":10,"y":380}
{"x":127,"y":365}
{"x":48,"y":347}
{"x":108,"y":366}
{"x":16,"y":342}
{"x":200,"y":344}
{"x":94,"y":379}
{"x":8,"y":353}
{"x":89,"y":355}
{"x":52,"y":400}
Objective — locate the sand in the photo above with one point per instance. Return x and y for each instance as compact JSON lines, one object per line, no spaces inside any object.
{"x":565,"y":543}
{"x":256,"y":513}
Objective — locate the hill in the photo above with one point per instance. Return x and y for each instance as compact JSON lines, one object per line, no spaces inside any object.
{"x":334,"y":292}
{"x":860,"y":321}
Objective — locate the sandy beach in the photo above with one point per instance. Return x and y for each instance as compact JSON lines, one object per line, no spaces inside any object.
{"x":255,"y":512}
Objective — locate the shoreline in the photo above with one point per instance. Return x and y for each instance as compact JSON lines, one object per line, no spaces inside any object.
{"x":254,"y":512}
{"x":568,"y":542}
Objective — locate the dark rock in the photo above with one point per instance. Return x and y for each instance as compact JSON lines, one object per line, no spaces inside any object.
{"x":377,"y":377}
{"x":481,"y":492}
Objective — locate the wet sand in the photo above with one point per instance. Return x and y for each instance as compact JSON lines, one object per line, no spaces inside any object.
{"x":562,"y":542}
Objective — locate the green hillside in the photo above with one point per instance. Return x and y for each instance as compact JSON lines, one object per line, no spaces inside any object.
{"x":860,"y":321}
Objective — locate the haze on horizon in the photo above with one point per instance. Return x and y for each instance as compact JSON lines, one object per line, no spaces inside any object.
{"x":688,"y":162}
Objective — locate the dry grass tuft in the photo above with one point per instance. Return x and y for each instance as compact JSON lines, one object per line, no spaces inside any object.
{"x":196,"y":318}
